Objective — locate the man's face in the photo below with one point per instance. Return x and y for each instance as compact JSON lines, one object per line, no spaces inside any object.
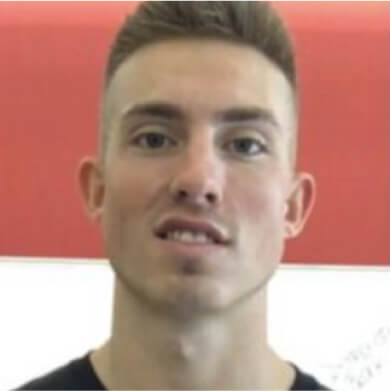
{"x":197,"y":176}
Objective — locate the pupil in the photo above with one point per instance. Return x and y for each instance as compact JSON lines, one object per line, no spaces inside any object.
{"x":155,"y":140}
{"x":244,"y":145}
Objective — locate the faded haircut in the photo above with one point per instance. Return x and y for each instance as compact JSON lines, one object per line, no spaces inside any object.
{"x":252,"y":23}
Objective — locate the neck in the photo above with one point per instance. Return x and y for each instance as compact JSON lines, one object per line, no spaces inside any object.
{"x":148,"y":350}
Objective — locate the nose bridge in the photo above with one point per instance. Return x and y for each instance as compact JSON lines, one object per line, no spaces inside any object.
{"x":200,"y":172}
{"x":201,"y":155}
{"x":201,"y":152}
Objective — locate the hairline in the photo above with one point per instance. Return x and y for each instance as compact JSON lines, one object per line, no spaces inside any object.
{"x":107,"y":84}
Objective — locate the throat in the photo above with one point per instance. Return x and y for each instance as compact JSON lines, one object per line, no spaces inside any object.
{"x":182,"y":351}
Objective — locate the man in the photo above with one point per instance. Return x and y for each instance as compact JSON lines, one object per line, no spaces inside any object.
{"x":196,"y":192}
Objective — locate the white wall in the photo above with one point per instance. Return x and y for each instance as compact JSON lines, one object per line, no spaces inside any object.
{"x":331,"y":321}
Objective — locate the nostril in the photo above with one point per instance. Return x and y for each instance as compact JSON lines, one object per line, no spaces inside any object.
{"x":162,"y":235}
{"x":211,"y":197}
{"x":182,"y":194}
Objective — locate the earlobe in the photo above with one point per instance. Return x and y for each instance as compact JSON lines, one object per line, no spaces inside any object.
{"x":91,"y":184}
{"x":299,"y":205}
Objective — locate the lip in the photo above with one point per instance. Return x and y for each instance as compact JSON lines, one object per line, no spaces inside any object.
{"x":183,"y":223}
{"x":193,"y":255}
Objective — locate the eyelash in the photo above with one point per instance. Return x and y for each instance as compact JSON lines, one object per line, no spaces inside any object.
{"x":262,"y":148}
{"x":137,"y":139}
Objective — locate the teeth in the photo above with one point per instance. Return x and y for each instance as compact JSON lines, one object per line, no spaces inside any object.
{"x":189,"y":237}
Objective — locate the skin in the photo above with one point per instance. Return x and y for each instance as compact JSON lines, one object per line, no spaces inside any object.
{"x":183,"y":318}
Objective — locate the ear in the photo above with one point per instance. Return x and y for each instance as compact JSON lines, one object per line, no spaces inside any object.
{"x":299,"y":204}
{"x":91,"y":182}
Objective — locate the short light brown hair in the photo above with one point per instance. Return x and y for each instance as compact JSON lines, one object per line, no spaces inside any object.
{"x":251,"y":23}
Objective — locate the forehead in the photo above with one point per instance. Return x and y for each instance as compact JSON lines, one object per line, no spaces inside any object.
{"x":201,"y":77}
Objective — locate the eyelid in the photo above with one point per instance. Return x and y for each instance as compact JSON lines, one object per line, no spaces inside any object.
{"x":262,"y":147}
{"x":253,"y":132}
{"x":144,"y":134}
{"x":139,"y":141}
{"x":250,"y":128}
{"x":145,"y":128}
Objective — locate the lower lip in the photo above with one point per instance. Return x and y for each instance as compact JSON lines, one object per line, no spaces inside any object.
{"x":192,"y":249}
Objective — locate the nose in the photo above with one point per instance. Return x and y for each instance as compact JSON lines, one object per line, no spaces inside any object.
{"x":199,"y":175}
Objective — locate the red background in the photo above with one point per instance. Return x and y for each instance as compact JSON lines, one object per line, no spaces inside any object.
{"x":52,"y":57}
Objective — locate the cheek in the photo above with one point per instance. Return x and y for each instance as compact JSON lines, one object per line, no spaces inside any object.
{"x":130,"y":187}
{"x":133,"y":193}
{"x":258,"y":198}
{"x":123,"y":195}
{"x":263,"y":212}
{"x":126,"y":194}
{"x":259,"y":215}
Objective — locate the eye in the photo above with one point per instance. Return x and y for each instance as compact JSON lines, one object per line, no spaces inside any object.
{"x":247,"y":146}
{"x":153,"y":140}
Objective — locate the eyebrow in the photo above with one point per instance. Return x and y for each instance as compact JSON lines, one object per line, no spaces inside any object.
{"x":154,"y":109}
{"x":169,"y":111}
{"x":246,"y":114}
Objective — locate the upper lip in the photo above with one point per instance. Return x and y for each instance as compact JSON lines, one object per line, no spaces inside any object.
{"x":187,"y":224}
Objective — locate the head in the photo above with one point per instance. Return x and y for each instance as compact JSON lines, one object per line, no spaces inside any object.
{"x":198,"y":133}
{"x":251,"y":24}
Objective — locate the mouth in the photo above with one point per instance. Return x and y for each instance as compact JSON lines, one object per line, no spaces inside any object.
{"x":188,"y":237}
{"x":191,"y":232}
{"x":195,"y":247}
{"x":191,"y":256}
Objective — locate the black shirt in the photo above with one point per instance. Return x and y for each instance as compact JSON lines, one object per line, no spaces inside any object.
{"x":80,"y":375}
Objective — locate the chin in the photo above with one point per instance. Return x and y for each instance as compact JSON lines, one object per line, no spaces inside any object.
{"x":187,"y":297}
{"x":195,"y":297}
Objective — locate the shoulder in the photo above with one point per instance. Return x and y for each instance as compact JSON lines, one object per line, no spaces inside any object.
{"x":76,"y":375}
{"x":304,"y":381}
